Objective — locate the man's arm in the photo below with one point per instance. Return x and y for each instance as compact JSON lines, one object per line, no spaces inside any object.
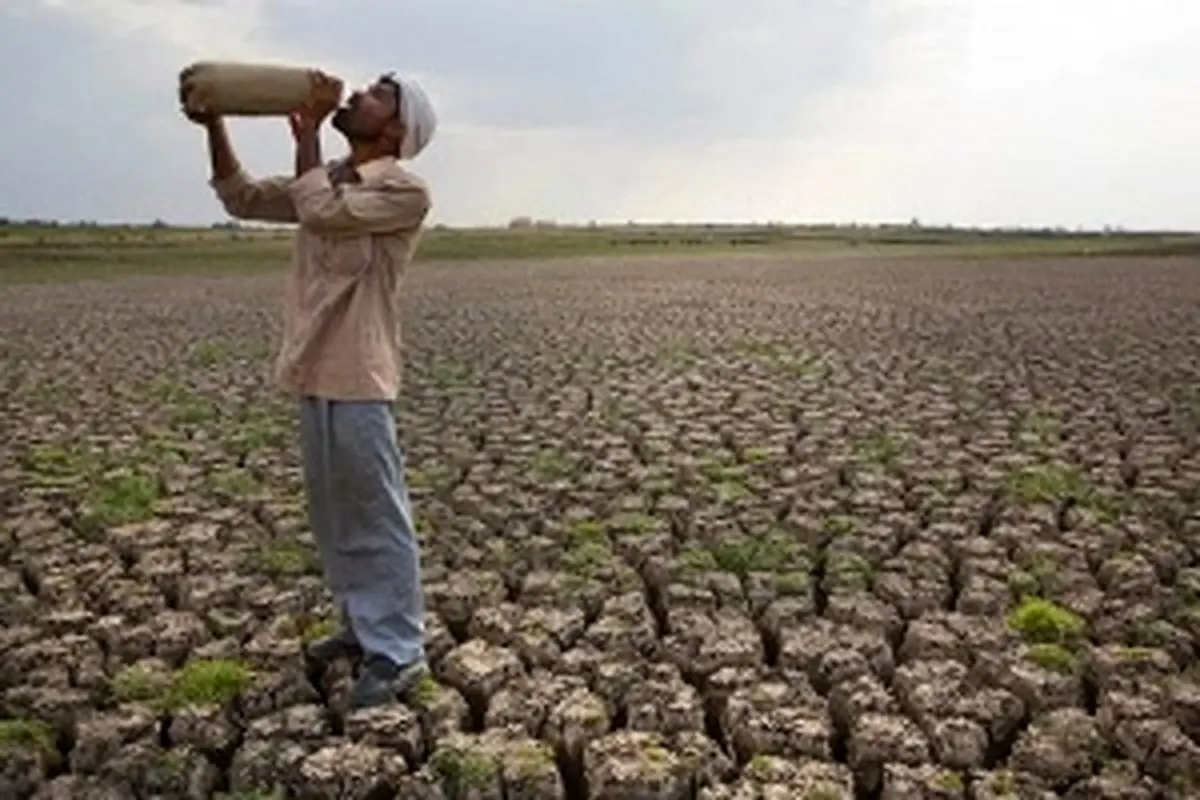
{"x":265,"y":200}
{"x":385,"y":205}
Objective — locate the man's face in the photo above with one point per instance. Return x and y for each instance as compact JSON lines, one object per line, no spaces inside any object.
{"x":370,"y":115}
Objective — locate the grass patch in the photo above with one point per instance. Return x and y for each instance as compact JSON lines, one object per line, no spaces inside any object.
{"x":719,"y":471}
{"x":120,"y":497}
{"x":58,"y":461}
{"x":1041,"y":621}
{"x":211,"y":353}
{"x":696,"y":560}
{"x":531,"y":758}
{"x":632,"y":522}
{"x":881,"y":447}
{"x":1036,"y":578}
{"x":191,"y":410}
{"x":551,"y":465}
{"x":317,"y":629}
{"x":213,"y":682}
{"x":232,"y":483}
{"x":949,"y":781}
{"x":28,"y":735}
{"x":426,"y":693}
{"x":283,"y":558}
{"x":792,"y":584}
{"x":462,"y":770}
{"x":838,"y":525}
{"x":770,"y":553}
{"x":849,"y":571}
{"x":588,"y":559}
{"x":1053,"y":657}
{"x":1046,"y":483}
{"x":136,"y":684}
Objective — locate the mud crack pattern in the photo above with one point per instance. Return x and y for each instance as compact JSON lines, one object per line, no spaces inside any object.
{"x":705,"y":529}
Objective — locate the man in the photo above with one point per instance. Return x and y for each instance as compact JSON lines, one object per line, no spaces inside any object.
{"x":359,"y":221}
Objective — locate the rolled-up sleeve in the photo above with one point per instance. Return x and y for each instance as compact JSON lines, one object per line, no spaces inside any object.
{"x":265,"y":200}
{"x":385,"y":205}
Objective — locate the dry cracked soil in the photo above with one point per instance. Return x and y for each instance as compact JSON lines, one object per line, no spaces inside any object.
{"x":714,"y":529}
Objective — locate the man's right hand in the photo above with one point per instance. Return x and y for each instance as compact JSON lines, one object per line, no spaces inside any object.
{"x":198,"y":116}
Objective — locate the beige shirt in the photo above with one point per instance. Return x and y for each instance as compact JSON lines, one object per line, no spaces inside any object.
{"x":341,"y":315}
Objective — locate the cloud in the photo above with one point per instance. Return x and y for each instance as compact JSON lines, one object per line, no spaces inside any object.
{"x":972,"y":111}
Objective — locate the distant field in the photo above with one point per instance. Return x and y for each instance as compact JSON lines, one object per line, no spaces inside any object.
{"x":70,"y":252}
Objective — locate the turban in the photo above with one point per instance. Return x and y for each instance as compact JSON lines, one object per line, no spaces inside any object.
{"x":418,"y":116}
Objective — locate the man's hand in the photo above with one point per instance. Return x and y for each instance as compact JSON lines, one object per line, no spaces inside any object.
{"x":324,"y":95}
{"x":198,"y":116}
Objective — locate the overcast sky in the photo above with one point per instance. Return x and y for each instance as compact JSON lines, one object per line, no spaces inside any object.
{"x":995,"y":112}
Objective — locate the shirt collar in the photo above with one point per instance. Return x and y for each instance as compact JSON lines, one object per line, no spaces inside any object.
{"x":375,"y":168}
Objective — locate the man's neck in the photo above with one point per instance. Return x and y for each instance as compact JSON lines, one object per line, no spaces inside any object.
{"x":362,"y":153}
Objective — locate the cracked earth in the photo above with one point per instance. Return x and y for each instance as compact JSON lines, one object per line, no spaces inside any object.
{"x":692,"y":529}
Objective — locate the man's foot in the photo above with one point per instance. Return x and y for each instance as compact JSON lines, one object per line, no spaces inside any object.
{"x":383,"y":682}
{"x":324,"y":652}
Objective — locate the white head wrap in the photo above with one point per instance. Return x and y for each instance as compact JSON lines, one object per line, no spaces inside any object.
{"x":417,"y":114}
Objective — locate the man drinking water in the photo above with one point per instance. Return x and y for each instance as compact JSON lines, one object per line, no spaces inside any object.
{"x":359,"y":220}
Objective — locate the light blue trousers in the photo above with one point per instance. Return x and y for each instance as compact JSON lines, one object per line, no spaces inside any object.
{"x":362,"y":520}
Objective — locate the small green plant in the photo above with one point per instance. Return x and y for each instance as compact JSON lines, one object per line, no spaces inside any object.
{"x":211,"y":682}
{"x":169,"y":766}
{"x":531,"y":757}
{"x":551,"y":465}
{"x":1039,"y":426}
{"x":232,"y":483}
{"x":120,"y":497}
{"x":317,"y":629}
{"x":632,"y":522}
{"x":447,"y":372}
{"x":587,"y":531}
{"x":1003,"y":784}
{"x":881,"y":447}
{"x":679,"y":352}
{"x":729,"y":492}
{"x":949,"y":781}
{"x":211,"y":353}
{"x":137,"y":684}
{"x":695,"y":560}
{"x":1138,"y":654}
{"x":1037,"y":578}
{"x":721,"y":471}
{"x":849,"y":570}
{"x":166,"y":390}
{"x":588,"y":559}
{"x":791,"y":584}
{"x":746,"y":554}
{"x":1150,"y":634}
{"x":462,"y":770}
{"x":1041,"y":621}
{"x":1048,"y":483}
{"x":757,"y":455}
{"x":193,"y":410}
{"x":1053,"y":657}
{"x":28,"y":735}
{"x":282,"y":558}
{"x":57,"y":461}
{"x":837,"y":525}
{"x":426,"y":693}
{"x":654,"y":751}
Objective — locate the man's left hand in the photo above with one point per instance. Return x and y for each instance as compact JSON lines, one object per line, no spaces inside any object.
{"x":324,"y":96}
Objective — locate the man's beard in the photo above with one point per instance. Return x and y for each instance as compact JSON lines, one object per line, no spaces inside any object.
{"x":343,"y":123}
{"x":340,"y":121}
